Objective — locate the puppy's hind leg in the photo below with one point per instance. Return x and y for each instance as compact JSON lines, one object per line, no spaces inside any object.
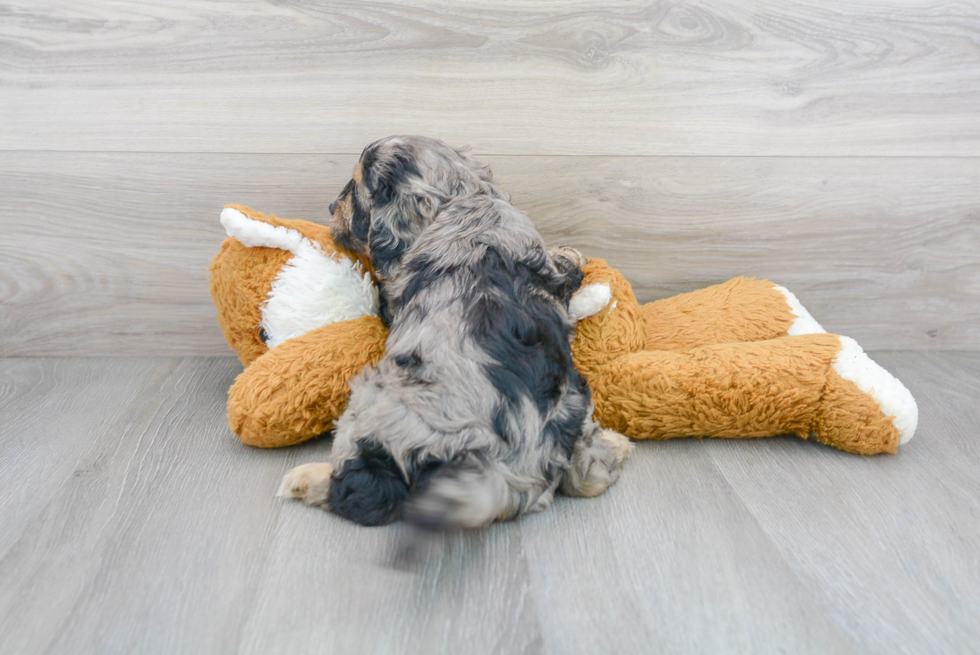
{"x":309,"y":483}
{"x":597,"y":461}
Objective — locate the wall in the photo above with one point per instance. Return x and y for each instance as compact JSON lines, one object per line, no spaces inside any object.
{"x":832,"y":147}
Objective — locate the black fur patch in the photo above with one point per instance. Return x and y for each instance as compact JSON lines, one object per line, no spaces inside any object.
{"x":368,"y":156}
{"x":385,"y":249}
{"x":360,"y":221}
{"x":524,"y":334}
{"x":345,"y":240}
{"x":409,"y":360}
{"x":369,"y":489}
{"x":501,"y":424}
{"x":384,"y":307}
{"x":566,"y":429}
{"x":571,"y":279}
{"x":411,"y":365}
{"x":423,"y":471}
{"x":383,"y":180}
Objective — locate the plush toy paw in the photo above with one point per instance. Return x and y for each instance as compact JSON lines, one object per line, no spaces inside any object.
{"x":865,"y":409}
{"x":309,"y":483}
{"x":589,"y":301}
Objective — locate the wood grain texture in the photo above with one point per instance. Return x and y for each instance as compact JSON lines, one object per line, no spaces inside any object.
{"x":106,"y":253}
{"x":135,"y":522}
{"x":630,"y":77}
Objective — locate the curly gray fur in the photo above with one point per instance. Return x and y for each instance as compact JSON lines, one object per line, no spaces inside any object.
{"x":476,"y":413}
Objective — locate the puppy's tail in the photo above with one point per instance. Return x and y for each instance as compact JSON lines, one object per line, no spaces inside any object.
{"x":465,"y":493}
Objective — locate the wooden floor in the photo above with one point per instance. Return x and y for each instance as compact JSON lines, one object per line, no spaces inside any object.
{"x":133,"y":521}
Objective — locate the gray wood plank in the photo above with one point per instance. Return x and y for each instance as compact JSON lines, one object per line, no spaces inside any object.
{"x":106,"y":253}
{"x":579,"y":78}
{"x":888,"y":546}
{"x":333,"y":586}
{"x":135,"y":549}
{"x":53,"y":413}
{"x":670,"y":561}
{"x":155,"y":531}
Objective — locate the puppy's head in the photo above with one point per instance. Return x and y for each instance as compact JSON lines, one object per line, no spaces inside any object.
{"x":399,"y":185}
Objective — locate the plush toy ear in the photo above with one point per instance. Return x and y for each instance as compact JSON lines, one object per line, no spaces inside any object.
{"x":255,"y":229}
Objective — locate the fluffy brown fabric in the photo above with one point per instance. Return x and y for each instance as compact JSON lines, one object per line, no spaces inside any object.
{"x":774,"y":385}
{"x":742,"y":309}
{"x":295,"y":391}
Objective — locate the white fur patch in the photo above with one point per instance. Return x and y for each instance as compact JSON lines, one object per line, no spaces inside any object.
{"x":804,"y":323}
{"x":312,"y":289}
{"x":589,"y":300}
{"x":853,"y":364}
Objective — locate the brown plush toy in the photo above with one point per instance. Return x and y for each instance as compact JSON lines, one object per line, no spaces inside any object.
{"x":739,"y":359}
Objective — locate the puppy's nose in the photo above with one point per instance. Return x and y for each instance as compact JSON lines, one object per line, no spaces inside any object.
{"x":333,"y":206}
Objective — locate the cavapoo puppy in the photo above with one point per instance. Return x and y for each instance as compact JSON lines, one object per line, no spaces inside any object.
{"x":476,"y":413}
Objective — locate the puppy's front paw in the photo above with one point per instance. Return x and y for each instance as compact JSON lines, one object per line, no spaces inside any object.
{"x":308,"y":482}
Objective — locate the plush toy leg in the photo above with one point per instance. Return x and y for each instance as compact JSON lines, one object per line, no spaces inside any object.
{"x":741,"y":309}
{"x":613,"y":331}
{"x":295,"y":391}
{"x":817,"y":385}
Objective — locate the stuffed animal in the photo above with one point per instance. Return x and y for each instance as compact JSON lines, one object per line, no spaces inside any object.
{"x":739,"y":359}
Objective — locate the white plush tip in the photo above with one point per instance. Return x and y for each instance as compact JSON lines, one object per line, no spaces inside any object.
{"x":803,"y":323}
{"x":893,"y":397}
{"x":252,"y":233}
{"x":589,"y":300}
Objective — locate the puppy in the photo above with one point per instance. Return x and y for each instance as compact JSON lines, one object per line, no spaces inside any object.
{"x":476,"y":413}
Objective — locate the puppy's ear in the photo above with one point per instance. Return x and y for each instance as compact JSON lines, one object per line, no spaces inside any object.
{"x":383,"y":172}
{"x":396,"y":225}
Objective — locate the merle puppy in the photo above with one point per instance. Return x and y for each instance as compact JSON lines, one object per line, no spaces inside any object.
{"x":476,"y":413}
